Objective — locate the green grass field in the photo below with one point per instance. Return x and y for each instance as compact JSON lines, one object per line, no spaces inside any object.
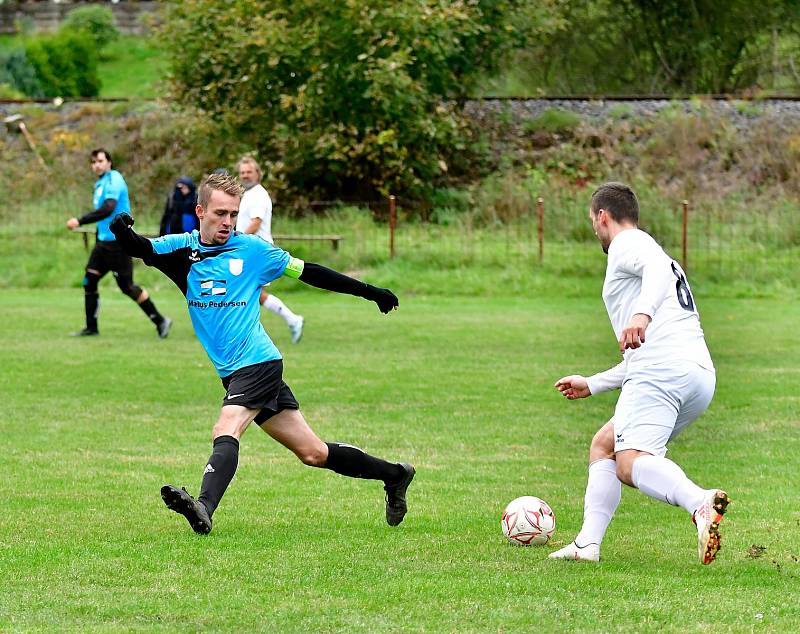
{"x":132,"y":68}
{"x":460,"y":386}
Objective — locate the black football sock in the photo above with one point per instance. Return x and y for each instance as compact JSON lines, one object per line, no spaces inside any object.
{"x":91,"y":302}
{"x":352,"y":462}
{"x":219,"y":471}
{"x":151,"y":311}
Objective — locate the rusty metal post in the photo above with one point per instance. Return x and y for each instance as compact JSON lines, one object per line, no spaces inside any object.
{"x":684,"y":241}
{"x":392,"y":224}
{"x":540,"y":228}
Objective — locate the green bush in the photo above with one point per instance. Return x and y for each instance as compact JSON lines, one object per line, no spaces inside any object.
{"x":553,"y":120}
{"x":448,"y":203}
{"x":65,"y":63}
{"x":18,"y":74}
{"x":7,"y":91}
{"x":94,"y":20}
{"x":621,"y":111}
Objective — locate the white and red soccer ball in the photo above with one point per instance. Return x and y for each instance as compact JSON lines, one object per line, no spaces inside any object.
{"x":528,"y":520}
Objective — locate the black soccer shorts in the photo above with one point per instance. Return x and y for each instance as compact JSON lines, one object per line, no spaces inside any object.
{"x":109,"y":256}
{"x":259,"y":386}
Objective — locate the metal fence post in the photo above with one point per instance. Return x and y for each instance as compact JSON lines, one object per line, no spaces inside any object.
{"x":392,"y":224}
{"x":684,"y":241}
{"x":540,"y":228}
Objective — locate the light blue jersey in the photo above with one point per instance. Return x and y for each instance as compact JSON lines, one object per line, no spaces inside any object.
{"x":110,"y":185}
{"x":222,"y":285}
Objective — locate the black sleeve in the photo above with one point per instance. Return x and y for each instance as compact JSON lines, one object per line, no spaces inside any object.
{"x":175,"y":265}
{"x":103,"y":211}
{"x":330,"y":280}
{"x":131,"y":242}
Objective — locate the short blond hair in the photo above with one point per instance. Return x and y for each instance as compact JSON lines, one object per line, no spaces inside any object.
{"x":218,"y":182}
{"x":250,"y":161}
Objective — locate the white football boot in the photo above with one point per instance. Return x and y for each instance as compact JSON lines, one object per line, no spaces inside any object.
{"x":590,"y":552}
{"x":707,"y":518}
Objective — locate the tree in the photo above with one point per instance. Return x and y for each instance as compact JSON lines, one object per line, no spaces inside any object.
{"x":699,"y":45}
{"x":350,"y":98}
{"x":661,"y":46}
{"x":95,"y":20}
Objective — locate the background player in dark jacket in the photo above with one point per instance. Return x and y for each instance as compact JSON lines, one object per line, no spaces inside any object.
{"x":221,"y":272}
{"x":179,"y":215}
{"x":110,"y":199}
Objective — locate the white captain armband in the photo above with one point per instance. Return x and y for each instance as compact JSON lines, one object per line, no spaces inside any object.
{"x":294,"y":268}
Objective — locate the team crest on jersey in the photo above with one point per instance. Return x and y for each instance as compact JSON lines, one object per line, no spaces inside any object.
{"x":235,"y":266}
{"x":212,"y":287}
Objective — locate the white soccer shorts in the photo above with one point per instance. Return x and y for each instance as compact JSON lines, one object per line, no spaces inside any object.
{"x":658,"y":402}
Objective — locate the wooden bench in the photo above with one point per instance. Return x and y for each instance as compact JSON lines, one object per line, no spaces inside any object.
{"x":90,"y":230}
{"x":333,"y":239}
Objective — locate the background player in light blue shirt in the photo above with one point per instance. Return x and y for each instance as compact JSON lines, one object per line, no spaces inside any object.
{"x":221,"y":273}
{"x":109,"y":200}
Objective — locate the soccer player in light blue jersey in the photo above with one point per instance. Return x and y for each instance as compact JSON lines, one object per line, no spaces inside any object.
{"x":221,"y":272}
{"x":110,"y":199}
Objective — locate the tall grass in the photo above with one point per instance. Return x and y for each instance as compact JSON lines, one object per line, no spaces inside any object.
{"x":464,"y":258}
{"x":745,"y":239}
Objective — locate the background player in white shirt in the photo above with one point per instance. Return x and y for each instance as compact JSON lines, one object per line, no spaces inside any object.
{"x":255,"y":216}
{"x":667,"y":381}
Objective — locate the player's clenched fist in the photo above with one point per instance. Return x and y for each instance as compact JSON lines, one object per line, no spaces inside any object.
{"x":633,"y":334}
{"x":384,"y":298}
{"x":121,"y":222}
{"x":573,"y":387}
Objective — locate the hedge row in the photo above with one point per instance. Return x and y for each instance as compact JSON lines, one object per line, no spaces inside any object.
{"x":62,"y":64}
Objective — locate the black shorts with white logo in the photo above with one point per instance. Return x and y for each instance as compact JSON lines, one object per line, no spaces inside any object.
{"x":259,"y":386}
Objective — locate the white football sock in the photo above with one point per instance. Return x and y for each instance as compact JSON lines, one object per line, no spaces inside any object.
{"x":603,"y":492}
{"x":273,"y":304}
{"x":663,"y":480}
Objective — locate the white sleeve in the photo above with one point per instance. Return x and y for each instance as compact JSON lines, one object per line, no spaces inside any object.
{"x":267,"y":218}
{"x":611,"y":379}
{"x":653,"y":268}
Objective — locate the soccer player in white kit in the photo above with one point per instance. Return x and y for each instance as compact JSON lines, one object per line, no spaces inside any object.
{"x":667,"y":380}
{"x":255,"y":216}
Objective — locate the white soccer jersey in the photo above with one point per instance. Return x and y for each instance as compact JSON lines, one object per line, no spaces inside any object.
{"x":256,"y":203}
{"x":642,"y":278}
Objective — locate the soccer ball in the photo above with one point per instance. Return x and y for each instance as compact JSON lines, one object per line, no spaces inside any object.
{"x":528,"y":520}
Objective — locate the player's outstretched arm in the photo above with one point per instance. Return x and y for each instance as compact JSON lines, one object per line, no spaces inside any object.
{"x":611,"y":379}
{"x":330,"y":280}
{"x":131,"y":242}
{"x":103,"y":211}
{"x":573,"y":387}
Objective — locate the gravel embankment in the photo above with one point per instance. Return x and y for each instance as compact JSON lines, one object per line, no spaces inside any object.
{"x":742,"y":112}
